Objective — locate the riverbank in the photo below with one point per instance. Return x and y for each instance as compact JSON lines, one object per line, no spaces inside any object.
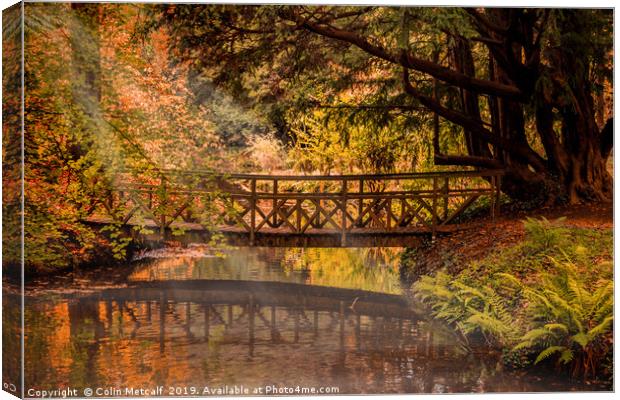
{"x":451,"y":253}
{"x":538,"y":287}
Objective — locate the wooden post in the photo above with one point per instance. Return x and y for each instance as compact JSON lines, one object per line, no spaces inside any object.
{"x":321,"y":204}
{"x":298,"y":221}
{"x":275,"y":203}
{"x":343,"y":238}
{"x":252,"y":211}
{"x":360,"y":205}
{"x":388,"y":214}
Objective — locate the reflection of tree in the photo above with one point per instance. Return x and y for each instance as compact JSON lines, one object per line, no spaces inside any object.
{"x":11,"y":338}
{"x":115,"y":337}
{"x":374,"y":269}
{"x":85,"y":330}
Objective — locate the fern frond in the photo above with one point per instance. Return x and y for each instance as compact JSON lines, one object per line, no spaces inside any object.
{"x":536,"y":334}
{"x":582,"y":339}
{"x":601,"y":328}
{"x":549,"y":351}
{"x":567,"y":356}
{"x":510,"y":279}
{"x":604,"y":309}
{"x":466,"y":289}
{"x":557,"y":326}
{"x":490,"y":324}
{"x":601,"y":298}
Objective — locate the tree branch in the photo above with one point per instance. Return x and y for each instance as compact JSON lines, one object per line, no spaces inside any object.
{"x":407,"y":60}
{"x":484,"y":22}
{"x":458,"y":79}
{"x":471,"y":161}
{"x":475,"y":127}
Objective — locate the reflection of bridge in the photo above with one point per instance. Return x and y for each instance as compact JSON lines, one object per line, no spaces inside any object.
{"x":255,"y":333}
{"x":275,"y":305}
{"x":321,"y":211}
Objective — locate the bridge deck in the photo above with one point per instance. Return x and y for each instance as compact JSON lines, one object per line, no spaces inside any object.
{"x":280,"y":237}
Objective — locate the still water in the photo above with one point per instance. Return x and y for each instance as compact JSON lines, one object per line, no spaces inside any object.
{"x":335,"y":320}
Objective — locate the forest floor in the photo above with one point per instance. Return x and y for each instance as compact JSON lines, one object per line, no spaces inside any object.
{"x":486,"y":235}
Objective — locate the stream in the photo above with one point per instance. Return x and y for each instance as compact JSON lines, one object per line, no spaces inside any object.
{"x":334,"y":321}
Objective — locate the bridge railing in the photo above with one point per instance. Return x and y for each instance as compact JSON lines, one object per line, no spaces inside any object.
{"x":301,"y":204}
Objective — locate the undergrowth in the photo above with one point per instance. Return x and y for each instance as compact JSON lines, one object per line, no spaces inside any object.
{"x":545,"y":301}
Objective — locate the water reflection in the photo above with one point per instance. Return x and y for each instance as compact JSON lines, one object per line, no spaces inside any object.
{"x":227,"y":333}
{"x":255,"y":318}
{"x":374,"y":269}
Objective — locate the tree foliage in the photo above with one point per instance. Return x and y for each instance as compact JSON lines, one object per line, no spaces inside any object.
{"x":525,"y":88}
{"x":330,"y":89}
{"x":98,"y":102}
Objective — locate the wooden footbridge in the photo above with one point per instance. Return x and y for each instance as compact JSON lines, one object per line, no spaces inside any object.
{"x":284,"y":210}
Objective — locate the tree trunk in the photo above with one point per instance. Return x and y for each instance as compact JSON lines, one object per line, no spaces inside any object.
{"x":574,"y":168}
{"x":464,"y":63}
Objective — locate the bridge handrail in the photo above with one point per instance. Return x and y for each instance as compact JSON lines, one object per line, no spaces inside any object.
{"x":348,"y":177}
{"x":345,"y":206}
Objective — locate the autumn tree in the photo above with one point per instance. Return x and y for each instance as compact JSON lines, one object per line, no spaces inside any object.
{"x":97,"y":101}
{"x":526,"y":88}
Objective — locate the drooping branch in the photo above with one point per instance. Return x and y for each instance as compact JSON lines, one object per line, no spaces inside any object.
{"x":470,"y":161}
{"x":475,"y":127}
{"x":407,"y":60}
{"x":458,"y":79}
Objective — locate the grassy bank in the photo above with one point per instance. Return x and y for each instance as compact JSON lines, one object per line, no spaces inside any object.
{"x":546,"y":301}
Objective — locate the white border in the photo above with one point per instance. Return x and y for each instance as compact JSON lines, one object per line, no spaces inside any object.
{"x":540,"y":3}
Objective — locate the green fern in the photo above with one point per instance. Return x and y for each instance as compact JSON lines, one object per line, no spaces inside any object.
{"x":548,"y":352}
{"x":575,"y":317}
{"x":557,"y":309}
